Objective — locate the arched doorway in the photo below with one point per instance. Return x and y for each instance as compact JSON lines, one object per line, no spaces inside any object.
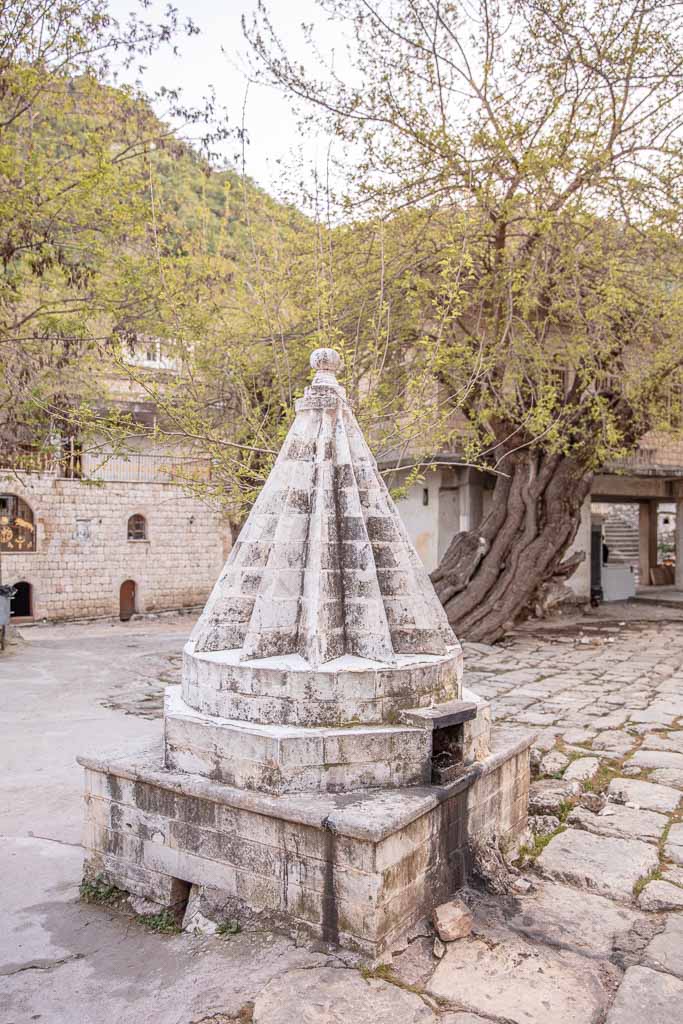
{"x":22,"y":602}
{"x":127,"y":600}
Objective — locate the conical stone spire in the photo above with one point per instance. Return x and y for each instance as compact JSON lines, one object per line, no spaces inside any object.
{"x":323,"y":566}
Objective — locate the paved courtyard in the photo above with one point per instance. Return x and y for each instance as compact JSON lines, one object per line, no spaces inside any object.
{"x":590,"y":930}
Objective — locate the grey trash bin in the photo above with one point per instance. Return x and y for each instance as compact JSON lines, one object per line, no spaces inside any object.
{"x":6,"y":594}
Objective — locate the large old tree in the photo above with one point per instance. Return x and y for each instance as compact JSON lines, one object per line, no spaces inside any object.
{"x":531,"y":152}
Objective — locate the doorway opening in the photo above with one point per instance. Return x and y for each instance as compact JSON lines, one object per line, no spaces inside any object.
{"x":21,"y":606}
{"x":127,"y":600}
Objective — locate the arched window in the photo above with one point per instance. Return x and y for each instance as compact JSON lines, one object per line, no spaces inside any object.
{"x":137,"y":527}
{"x":17,"y":529}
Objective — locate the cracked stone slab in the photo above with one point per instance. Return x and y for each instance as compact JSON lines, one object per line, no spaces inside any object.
{"x":333,"y":995}
{"x":547,"y":796}
{"x":520,"y":982}
{"x":614,"y":742}
{"x":648,"y":795}
{"x":565,"y":917}
{"x":606,"y":865}
{"x":665,"y":952}
{"x":618,"y":820}
{"x":647,"y":995}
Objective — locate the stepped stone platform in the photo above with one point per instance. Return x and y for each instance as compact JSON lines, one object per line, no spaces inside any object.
{"x":322,"y":768}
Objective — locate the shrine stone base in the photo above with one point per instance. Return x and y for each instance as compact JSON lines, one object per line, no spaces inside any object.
{"x":352,"y":869}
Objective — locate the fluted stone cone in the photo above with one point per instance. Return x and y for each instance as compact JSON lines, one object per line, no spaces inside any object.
{"x":323,"y":566}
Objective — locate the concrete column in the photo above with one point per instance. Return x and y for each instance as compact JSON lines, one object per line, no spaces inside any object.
{"x":679,"y":543}
{"x":580,"y":581}
{"x":647,"y":522}
{"x":471,"y":502}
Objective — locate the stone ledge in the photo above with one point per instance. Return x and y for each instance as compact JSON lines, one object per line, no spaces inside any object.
{"x":341,"y":692}
{"x":371,"y":815}
{"x":454,"y":712}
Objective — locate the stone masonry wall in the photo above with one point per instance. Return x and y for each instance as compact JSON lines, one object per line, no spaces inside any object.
{"x":83,"y":555}
{"x":147,"y":831}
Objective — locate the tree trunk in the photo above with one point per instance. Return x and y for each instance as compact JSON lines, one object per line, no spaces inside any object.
{"x":489,"y":576}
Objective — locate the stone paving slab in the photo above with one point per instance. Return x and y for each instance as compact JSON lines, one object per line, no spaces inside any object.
{"x":565,"y":917}
{"x":647,"y":995}
{"x":608,"y":866}
{"x":657,"y":759}
{"x":671,"y":741}
{"x":673,"y":848}
{"x":668,"y":777}
{"x":462,"y":1018}
{"x":614,"y":742}
{"x":548,"y":796}
{"x":618,"y":820}
{"x":520,"y":982}
{"x":659,"y":895}
{"x":673,"y":873}
{"x":581,"y":770}
{"x":647,"y":795}
{"x":665,"y":951}
{"x":336,"y":995}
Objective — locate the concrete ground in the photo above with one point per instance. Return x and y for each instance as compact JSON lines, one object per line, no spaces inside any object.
{"x":593,"y":931}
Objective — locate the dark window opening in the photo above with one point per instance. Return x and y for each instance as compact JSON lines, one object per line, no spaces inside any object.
{"x":180,"y":895}
{"x":447,"y":753}
{"x":425,"y":495}
{"x":17,"y":529}
{"x":137,"y":528}
{"x":21,"y":606}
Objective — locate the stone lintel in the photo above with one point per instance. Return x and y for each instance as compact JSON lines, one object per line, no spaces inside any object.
{"x":455,"y":712}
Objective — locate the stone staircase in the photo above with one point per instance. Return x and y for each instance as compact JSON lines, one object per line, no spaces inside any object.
{"x":621,"y":535}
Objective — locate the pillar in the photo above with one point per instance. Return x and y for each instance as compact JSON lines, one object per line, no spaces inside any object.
{"x":679,"y":543}
{"x":580,"y":580}
{"x":647,"y":524}
{"x":471,"y":502}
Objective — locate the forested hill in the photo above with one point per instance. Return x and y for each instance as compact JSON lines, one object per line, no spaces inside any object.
{"x":112,"y":228}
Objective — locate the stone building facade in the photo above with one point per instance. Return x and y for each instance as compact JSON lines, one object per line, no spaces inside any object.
{"x":453,"y":498}
{"x":90,"y":560}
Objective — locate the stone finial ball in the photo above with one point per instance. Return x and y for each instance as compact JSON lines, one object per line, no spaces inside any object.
{"x":326,"y":359}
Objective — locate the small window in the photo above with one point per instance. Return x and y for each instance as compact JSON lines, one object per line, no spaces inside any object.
{"x":137,"y":528}
{"x":17,"y":529}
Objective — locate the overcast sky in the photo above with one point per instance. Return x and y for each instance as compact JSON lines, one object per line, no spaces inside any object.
{"x":271,"y":126}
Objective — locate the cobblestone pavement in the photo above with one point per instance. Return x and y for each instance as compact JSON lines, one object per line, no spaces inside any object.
{"x":592,"y":932}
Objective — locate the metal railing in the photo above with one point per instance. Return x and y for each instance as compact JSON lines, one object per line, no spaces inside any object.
{"x":145,"y":468}
{"x":132,"y":468}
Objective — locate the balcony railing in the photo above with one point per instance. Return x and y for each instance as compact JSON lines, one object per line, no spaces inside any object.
{"x":133,"y":468}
